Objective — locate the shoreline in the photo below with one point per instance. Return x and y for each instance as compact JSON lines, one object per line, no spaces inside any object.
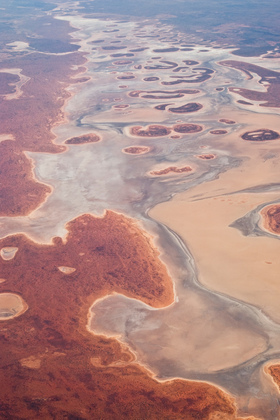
{"x":227,"y":144}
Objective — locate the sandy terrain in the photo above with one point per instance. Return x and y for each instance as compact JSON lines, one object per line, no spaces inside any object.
{"x":11,"y":306}
{"x":176,"y":332}
{"x":245,"y":267}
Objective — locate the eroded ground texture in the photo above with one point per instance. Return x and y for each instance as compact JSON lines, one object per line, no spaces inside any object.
{"x":139,"y":210}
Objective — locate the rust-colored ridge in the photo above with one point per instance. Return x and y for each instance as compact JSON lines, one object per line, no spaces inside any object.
{"x":172,"y":169}
{"x":83,"y":139}
{"x":261,"y":134}
{"x":269,"y":79}
{"x":226,"y":121}
{"x":218,"y":132}
{"x":136,"y":150}
{"x":274,"y":371}
{"x":271,"y":218}
{"x":45,"y":100}
{"x":29,"y":118}
{"x":122,"y":62}
{"x":209,"y":156}
{"x":20,"y":193}
{"x":151,"y":131}
{"x":151,"y":79}
{"x":51,"y":365}
{"x":187,"y":128}
{"x":187,"y":108}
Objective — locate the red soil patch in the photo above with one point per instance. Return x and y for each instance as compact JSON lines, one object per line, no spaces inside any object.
{"x":151,"y":131}
{"x":29,"y":119}
{"x":269,"y":79}
{"x":20,"y":194}
{"x":263,"y":134}
{"x":120,"y":106}
{"x":184,"y":109}
{"x":274,"y":371}
{"x":85,"y":138}
{"x":79,"y":372}
{"x":206,"y":156}
{"x":45,"y":100}
{"x":226,"y":121}
{"x":172,"y":169}
{"x":218,"y":132}
{"x":180,"y":69}
{"x":187,"y":128}
{"x":136,"y":150}
{"x":271,"y":218}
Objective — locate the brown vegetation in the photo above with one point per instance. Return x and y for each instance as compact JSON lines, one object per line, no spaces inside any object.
{"x":151,"y":131}
{"x":187,"y":128}
{"x":122,"y":106}
{"x":271,"y":218}
{"x":226,"y":121}
{"x":262,"y":134}
{"x":218,"y":132}
{"x":162,"y":107}
{"x":48,"y":357}
{"x":122,"y":62}
{"x":244,"y":102}
{"x":29,"y":120}
{"x":274,"y":371}
{"x":150,"y":79}
{"x":173,"y":169}
{"x":20,"y":194}
{"x":83,"y":139}
{"x":7,"y":83}
{"x":206,"y":156}
{"x":136,"y":150}
{"x":270,"y":79}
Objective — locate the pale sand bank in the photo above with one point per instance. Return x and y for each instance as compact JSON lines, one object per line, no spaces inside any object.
{"x":246,"y":268}
{"x":66,"y":270}
{"x":8,"y":253}
{"x":11,"y":305}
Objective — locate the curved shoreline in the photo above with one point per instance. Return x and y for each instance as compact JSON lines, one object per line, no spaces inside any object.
{"x":72,"y":283}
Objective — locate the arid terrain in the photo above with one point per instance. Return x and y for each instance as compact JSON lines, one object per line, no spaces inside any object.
{"x":139,"y":211}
